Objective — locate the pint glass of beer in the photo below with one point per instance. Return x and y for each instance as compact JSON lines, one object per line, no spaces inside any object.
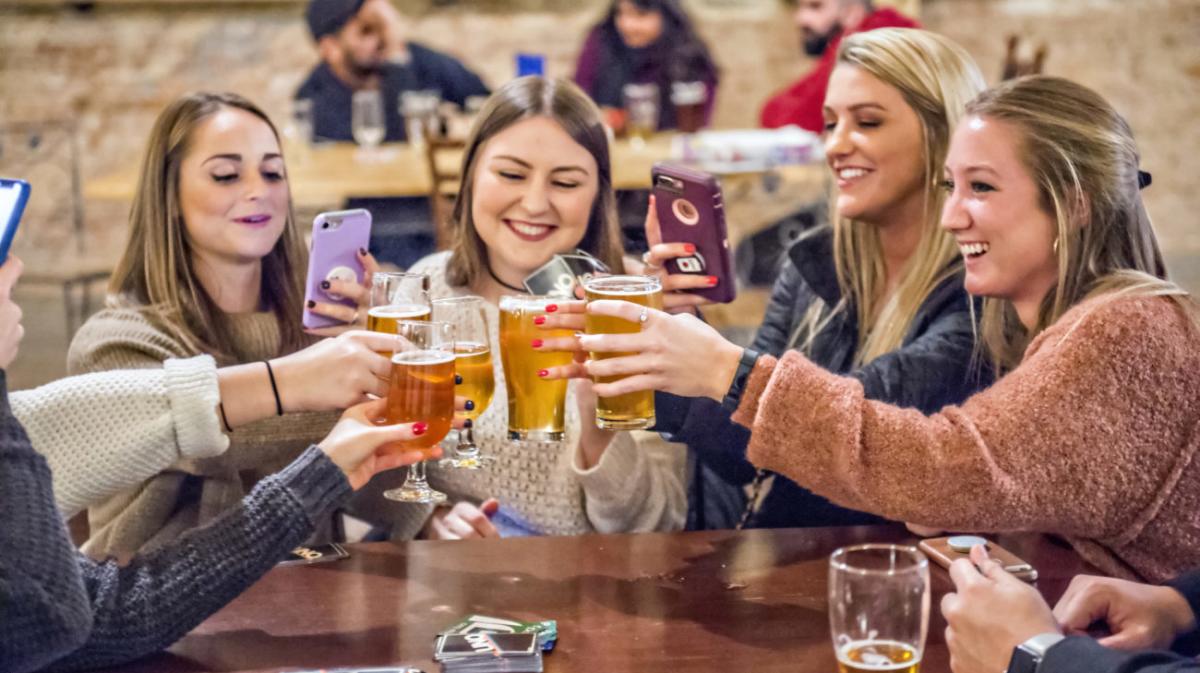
{"x":421,"y":389}
{"x":631,"y":411}
{"x":536,"y":407}
{"x":878,"y":607}
{"x":396,"y":297}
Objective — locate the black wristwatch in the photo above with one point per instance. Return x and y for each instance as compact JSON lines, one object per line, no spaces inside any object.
{"x":745,"y":365}
{"x":1027,"y":657}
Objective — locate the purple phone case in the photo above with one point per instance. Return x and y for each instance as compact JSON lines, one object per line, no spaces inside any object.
{"x":334,"y":245}
{"x":707,"y":232}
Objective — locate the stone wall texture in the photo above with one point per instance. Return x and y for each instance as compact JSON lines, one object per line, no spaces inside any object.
{"x":110,"y":68}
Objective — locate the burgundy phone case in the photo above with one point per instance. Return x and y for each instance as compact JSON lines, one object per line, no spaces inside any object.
{"x":690,"y":210}
{"x":336,"y":238}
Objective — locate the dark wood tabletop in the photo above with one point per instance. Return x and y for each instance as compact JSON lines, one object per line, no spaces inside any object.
{"x":707,"y":601}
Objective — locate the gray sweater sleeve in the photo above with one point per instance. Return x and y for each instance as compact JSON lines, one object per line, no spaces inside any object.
{"x":149,"y":604}
{"x":43,"y":606}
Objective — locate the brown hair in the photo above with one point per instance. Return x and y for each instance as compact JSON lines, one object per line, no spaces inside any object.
{"x":524,"y":98}
{"x":1082,"y":155}
{"x":156,"y":270}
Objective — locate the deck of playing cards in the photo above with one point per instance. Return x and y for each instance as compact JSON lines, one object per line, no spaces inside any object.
{"x":482,"y":652}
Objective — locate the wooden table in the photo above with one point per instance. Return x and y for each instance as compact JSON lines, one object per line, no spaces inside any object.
{"x":710,"y":601}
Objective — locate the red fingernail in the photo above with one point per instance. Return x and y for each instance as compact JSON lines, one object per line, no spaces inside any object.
{"x":312,"y":304}
{"x":551,"y":308}
{"x":712,"y":280}
{"x":543,"y":373}
{"x":689,"y":248}
{"x":539,"y":320}
{"x":536,"y":343}
{"x":419,"y":428}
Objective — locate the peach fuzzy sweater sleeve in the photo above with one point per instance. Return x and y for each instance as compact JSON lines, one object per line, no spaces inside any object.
{"x":1091,"y":438}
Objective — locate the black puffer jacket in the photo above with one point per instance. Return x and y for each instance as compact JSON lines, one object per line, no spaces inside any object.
{"x":933,"y":368}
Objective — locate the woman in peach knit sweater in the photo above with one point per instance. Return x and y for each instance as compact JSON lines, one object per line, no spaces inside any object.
{"x":1092,"y":432}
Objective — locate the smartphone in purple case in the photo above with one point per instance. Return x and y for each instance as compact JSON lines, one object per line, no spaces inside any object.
{"x":336,"y":238}
{"x":691,"y":210}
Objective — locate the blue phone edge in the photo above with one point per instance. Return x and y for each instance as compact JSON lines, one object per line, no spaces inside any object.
{"x":14,"y":218}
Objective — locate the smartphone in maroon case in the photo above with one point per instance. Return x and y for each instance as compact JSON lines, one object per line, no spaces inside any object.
{"x":691,"y":210}
{"x":336,"y":239}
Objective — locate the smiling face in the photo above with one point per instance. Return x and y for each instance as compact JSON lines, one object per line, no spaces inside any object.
{"x":995,"y":212}
{"x":533,"y":190}
{"x":638,"y":27}
{"x":874,"y":144}
{"x":232,"y":188}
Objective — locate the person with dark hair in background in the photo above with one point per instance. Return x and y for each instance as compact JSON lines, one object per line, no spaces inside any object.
{"x":822,"y":25}
{"x":645,"y":42}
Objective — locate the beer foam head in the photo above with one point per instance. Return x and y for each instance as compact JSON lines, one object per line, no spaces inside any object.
{"x":515,"y":304}
{"x":422,"y":357}
{"x":618,"y":286}
{"x":399,"y":311}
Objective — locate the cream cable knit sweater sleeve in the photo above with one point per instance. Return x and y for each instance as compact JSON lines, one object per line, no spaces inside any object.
{"x":102,"y":433}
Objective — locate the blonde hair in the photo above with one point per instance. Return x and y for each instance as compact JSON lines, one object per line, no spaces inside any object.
{"x":520,"y":99}
{"x":1082,"y":155}
{"x":156,"y":271}
{"x":937,"y":78}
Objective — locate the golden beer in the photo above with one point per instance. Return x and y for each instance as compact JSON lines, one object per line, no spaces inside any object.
{"x":422,"y":389}
{"x":871,"y":656}
{"x":536,"y":407}
{"x":630,"y":411}
{"x":384,"y":318}
{"x":473,"y":362}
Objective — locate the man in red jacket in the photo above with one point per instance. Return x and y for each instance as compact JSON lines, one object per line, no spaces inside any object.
{"x":822,"y":24}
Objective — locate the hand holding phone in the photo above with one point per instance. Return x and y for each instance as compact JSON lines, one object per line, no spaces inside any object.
{"x":14,"y":194}
{"x":946,"y":550}
{"x":690,"y":211}
{"x":336,"y":239}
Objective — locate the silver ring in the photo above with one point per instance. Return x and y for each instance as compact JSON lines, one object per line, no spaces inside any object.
{"x":648,"y":263}
{"x":644,"y":316}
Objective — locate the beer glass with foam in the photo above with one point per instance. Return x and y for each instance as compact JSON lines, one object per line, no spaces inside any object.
{"x":536,"y":407}
{"x":878,"y":607}
{"x":631,"y":411}
{"x":421,"y":389}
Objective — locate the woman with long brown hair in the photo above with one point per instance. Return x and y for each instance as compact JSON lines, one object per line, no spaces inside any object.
{"x":1092,"y":432}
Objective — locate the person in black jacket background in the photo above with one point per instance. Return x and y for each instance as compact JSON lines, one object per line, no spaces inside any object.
{"x":878,"y":295}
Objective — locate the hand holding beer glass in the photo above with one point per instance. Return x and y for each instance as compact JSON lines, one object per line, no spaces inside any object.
{"x":631,"y":411}
{"x":473,"y":364}
{"x":878,"y":607}
{"x":421,"y":390}
{"x":536,"y":405}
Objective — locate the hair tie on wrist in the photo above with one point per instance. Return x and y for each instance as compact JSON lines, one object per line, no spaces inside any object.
{"x":274,"y":389}
{"x":224,"y":421}
{"x":1144,"y":179}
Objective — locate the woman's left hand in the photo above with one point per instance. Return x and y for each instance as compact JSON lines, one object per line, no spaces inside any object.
{"x":677,"y":354}
{"x":354,"y":317}
{"x":654,"y":262}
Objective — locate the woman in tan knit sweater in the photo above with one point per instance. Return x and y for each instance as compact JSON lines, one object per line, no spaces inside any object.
{"x":1090,"y":436}
{"x":213,"y":266}
{"x":537,"y":182}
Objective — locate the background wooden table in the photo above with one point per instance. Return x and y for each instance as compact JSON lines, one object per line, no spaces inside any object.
{"x":680,"y":602}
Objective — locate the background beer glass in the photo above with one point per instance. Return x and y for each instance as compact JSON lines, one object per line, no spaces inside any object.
{"x":631,"y":411}
{"x":878,"y":607}
{"x":395,"y":297}
{"x":421,"y":389}
{"x":641,"y":111}
{"x":473,"y":362}
{"x":536,"y":407}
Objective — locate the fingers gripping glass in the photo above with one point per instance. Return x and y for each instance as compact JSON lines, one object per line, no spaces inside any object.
{"x":473,"y":364}
{"x":421,"y":390}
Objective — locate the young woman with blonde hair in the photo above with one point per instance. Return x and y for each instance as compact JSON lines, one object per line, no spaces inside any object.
{"x":877,"y":295}
{"x":213,"y":266}
{"x":1091,"y":435}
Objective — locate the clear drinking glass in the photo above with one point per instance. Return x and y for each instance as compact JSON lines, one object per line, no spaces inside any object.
{"x":366,"y":119}
{"x":421,"y":389}
{"x":420,"y":111}
{"x":641,"y":111}
{"x":397,"y":296}
{"x":302,"y":120}
{"x":878,"y":607}
{"x":536,"y":407}
{"x":631,"y":411}
{"x":473,"y":364}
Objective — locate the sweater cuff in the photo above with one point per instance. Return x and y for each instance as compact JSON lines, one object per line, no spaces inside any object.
{"x":755,"y":385}
{"x":610,"y":475}
{"x":1188,"y":585}
{"x":316,"y":483}
{"x":194,"y":394}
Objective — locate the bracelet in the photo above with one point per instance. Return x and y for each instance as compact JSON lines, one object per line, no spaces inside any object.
{"x":224,"y":421}
{"x":274,"y":389}
{"x":733,"y":398}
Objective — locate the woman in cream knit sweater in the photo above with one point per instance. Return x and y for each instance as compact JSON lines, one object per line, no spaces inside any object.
{"x":1093,"y":433}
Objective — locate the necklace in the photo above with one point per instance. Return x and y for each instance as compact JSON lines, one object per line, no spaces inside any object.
{"x":497,"y":279}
